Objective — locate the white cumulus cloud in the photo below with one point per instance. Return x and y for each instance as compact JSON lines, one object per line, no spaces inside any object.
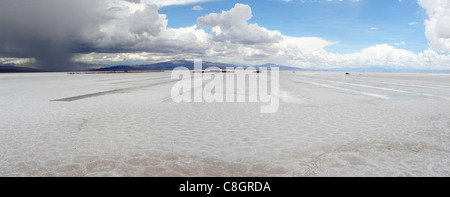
{"x":437,"y":25}
{"x":197,"y":7}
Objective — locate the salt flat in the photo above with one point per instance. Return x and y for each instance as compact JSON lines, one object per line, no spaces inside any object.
{"x":328,"y":124}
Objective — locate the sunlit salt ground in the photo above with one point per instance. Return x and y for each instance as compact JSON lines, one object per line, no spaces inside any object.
{"x":328,"y":124}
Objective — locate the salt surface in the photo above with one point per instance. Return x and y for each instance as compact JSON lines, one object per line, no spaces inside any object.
{"x":125,"y":125}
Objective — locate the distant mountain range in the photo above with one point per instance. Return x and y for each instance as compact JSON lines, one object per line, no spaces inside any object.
{"x":182,"y":63}
{"x":170,"y":65}
{"x":8,"y":68}
{"x":391,"y":69}
{"x":162,"y":66}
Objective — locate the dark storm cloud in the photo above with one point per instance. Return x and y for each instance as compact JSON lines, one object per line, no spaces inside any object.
{"x":45,"y":29}
{"x":51,"y":30}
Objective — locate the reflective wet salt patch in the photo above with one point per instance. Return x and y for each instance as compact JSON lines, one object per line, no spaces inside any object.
{"x":386,"y":97}
{"x":373,"y":87}
{"x":416,"y":83}
{"x":287,"y":97}
{"x":387,"y":89}
{"x":113,"y":78}
{"x":403,"y":83}
{"x":140,"y":80}
{"x":85,"y":96}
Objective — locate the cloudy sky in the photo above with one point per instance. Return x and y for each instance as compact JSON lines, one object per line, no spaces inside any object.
{"x":60,"y":34}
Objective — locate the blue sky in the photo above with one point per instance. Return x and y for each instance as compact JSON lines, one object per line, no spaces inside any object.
{"x":354,"y":25}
